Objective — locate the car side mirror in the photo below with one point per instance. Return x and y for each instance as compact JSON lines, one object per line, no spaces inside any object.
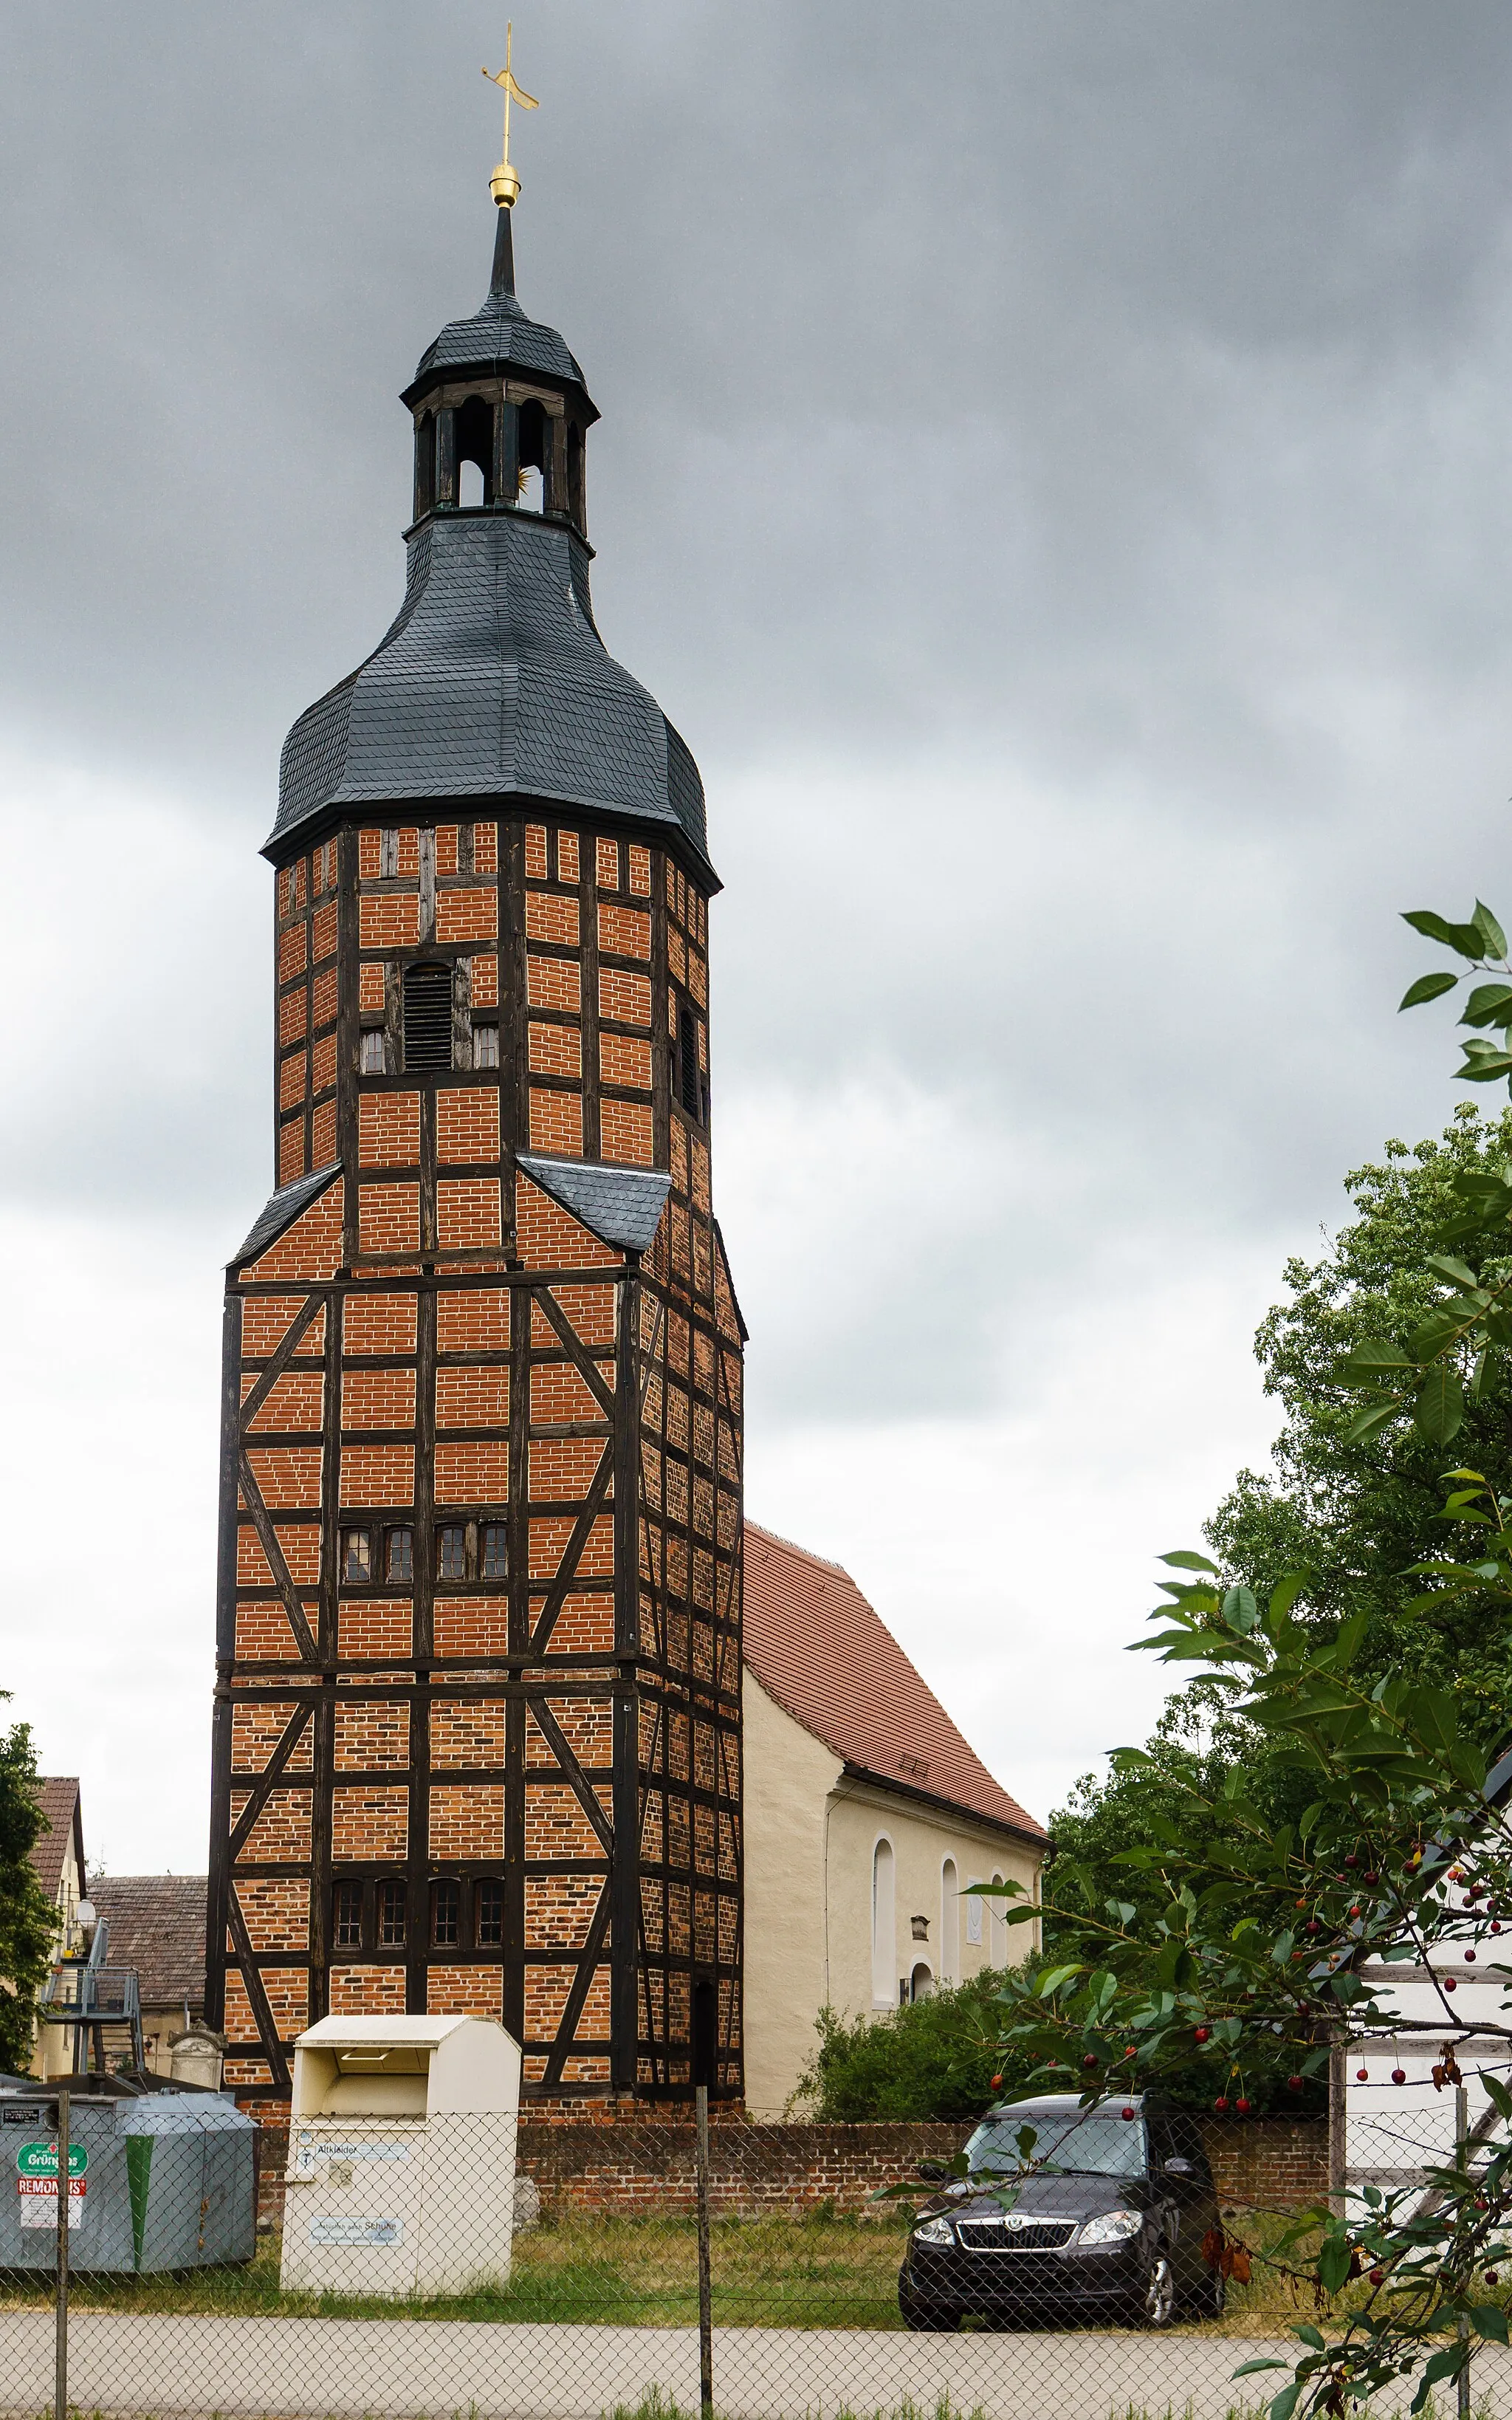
{"x":1179,"y":2168}
{"x":933,"y":2171}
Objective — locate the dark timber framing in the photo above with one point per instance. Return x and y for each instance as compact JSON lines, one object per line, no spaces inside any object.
{"x":654,"y":1862}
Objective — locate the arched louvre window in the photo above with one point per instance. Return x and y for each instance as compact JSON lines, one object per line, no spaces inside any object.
{"x":427,"y":1017}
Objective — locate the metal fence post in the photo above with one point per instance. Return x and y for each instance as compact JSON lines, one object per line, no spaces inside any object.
{"x":60,"y":2340}
{"x":1461,"y":2157}
{"x":701,"y":2103}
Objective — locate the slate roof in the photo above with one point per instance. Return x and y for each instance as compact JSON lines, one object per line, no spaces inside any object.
{"x":620,"y":1205}
{"x":157,"y":1924}
{"x":492,"y":681}
{"x":58,"y":1795}
{"x":281,"y":1209}
{"x":497,"y":333}
{"x":826,"y":1657}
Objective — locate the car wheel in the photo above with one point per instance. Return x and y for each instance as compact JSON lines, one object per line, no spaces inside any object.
{"x":1208,"y":2297}
{"x":926,"y":2319}
{"x":1157,"y":2304}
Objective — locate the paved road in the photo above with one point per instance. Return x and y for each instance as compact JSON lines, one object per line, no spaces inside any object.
{"x":432,"y":2370}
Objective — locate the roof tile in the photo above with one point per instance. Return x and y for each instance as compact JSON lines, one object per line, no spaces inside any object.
{"x":830,"y":1661}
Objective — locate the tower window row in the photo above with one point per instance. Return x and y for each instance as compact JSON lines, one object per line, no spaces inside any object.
{"x":376,"y":1914}
{"x":465,"y":1550}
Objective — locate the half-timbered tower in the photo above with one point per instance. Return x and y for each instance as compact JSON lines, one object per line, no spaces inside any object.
{"x":477,"y":1718}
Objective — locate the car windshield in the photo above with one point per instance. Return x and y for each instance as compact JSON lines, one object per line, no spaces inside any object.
{"x":1084,"y":2142}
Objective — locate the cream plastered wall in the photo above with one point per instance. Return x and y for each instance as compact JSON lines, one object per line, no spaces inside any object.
{"x":53,"y":2053}
{"x":811,"y":1836}
{"x":788,"y":1776}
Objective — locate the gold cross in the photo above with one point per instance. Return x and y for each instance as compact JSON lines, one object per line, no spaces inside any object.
{"x":504,"y":182}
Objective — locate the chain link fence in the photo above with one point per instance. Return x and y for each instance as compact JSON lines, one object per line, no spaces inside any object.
{"x":395,"y":2268}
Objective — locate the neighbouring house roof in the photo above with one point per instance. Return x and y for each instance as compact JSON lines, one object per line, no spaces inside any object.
{"x":830,"y":1661}
{"x":59,"y":1797}
{"x":157,"y":1924}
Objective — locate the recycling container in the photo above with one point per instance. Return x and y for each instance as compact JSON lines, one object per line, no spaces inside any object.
{"x":401,"y":2167}
{"x":156,"y":2180}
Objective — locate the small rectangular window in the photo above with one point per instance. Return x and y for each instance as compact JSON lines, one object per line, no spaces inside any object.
{"x":348,"y":1916}
{"x":356,"y":1556}
{"x":451,"y":1553}
{"x":493,"y":1550}
{"x":485,"y":1046}
{"x":389,"y":855}
{"x":373,"y":1052}
{"x":490,"y":1932}
{"x":391,"y":1916}
{"x":401,"y":1560}
{"x":446,"y":1915}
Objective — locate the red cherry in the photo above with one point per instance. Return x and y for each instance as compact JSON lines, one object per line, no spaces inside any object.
{"x":1398,"y":2076}
{"x":1470,"y":1958}
{"x":1125,"y":2113}
{"x":1496,"y":1928}
{"x":1242,"y":2107}
{"x":1090,"y":2059}
{"x":1132,"y":2050}
{"x":1356,"y":1911}
{"x":1293,"y":2084}
{"x":1378,"y":2276}
{"x":1351,"y":1859}
{"x":1313,"y":1925}
{"x":1200,"y":2033}
{"x":996,"y":2082}
{"x":1449,"y":1983}
{"x":1372,"y":1878}
{"x":1221,"y":2103}
{"x":1491,"y":2276}
{"x":1362,"y":2075}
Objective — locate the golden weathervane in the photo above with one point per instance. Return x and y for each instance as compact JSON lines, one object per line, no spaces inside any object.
{"x":504,"y":182}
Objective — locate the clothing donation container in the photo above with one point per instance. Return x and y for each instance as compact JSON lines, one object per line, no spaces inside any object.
{"x":401,"y":2165}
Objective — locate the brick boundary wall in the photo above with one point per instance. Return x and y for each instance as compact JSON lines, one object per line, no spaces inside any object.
{"x":639,"y":2164}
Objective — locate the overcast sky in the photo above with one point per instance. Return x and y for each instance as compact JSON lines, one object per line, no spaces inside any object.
{"x":1055,"y":470}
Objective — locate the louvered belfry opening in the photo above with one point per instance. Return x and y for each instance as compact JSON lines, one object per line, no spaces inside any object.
{"x":427,"y":1018}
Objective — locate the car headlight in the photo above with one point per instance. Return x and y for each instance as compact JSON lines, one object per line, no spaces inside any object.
{"x":934,"y":2230}
{"x":1113,"y":2227}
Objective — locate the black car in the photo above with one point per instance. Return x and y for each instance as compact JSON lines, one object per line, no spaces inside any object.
{"x":1108,"y":2224}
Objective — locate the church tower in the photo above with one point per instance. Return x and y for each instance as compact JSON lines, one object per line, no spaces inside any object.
{"x":477,"y":1711}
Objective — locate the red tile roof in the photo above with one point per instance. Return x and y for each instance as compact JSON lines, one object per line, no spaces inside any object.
{"x":829,"y":1660}
{"x":58,"y":1795}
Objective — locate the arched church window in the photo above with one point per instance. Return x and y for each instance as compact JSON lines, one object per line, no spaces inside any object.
{"x":883,"y":1927}
{"x":372,"y":1061}
{"x":469,"y":484}
{"x":427,"y":1017}
{"x":950,"y":1923}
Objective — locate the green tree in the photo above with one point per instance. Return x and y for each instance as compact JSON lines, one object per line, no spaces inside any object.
{"x":28,"y":1921}
{"x":1277,"y":1943}
{"x":1354,"y":1513}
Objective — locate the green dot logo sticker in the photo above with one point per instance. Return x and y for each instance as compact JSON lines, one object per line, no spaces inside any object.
{"x":36,"y":2183}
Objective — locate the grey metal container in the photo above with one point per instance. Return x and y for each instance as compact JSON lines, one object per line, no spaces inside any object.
{"x":170,"y":2182}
